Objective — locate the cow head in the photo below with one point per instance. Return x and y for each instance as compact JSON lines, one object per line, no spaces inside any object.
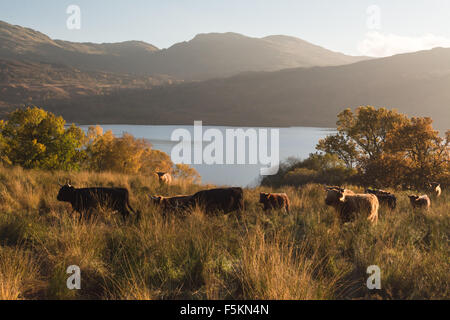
{"x":156,"y":199}
{"x":413,"y":198}
{"x":263,"y":196}
{"x":66,"y":193}
{"x":373,"y":191}
{"x":334,"y":196}
{"x":434,"y":185}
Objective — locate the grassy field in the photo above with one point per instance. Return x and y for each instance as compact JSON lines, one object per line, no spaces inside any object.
{"x":305,"y":255}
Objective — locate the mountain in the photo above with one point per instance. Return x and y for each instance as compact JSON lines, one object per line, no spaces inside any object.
{"x":414,"y":83}
{"x":225,"y":54}
{"x":206,"y":56}
{"x":18,"y":43}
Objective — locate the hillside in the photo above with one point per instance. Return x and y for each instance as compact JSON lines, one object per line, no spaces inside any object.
{"x":414,"y":83}
{"x":27,"y":82}
{"x":205,"y":56}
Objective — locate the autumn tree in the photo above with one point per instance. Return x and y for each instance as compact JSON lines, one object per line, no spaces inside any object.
{"x":35,"y":138}
{"x":421,"y":148}
{"x":361,"y":135}
{"x":342,"y":146}
{"x":388,"y":148}
{"x":126,"y":154}
{"x":106,"y":152}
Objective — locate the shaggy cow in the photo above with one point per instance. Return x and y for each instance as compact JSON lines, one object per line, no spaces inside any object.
{"x":221,"y":199}
{"x":171,"y":203}
{"x":164,"y":178}
{"x":86,"y":199}
{"x":274,"y":201}
{"x":384,"y":198}
{"x":420,"y":201}
{"x":348,"y":204}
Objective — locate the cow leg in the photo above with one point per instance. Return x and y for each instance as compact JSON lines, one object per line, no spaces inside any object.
{"x":125,"y":214}
{"x":89,"y":214}
{"x":80,"y":215}
{"x":136,"y":212}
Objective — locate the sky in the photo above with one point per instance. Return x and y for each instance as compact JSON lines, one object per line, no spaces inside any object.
{"x":356,"y":27}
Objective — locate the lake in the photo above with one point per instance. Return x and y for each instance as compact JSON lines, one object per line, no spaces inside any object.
{"x":296,"y":142}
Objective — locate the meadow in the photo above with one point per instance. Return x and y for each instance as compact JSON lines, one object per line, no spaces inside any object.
{"x":307,"y":254}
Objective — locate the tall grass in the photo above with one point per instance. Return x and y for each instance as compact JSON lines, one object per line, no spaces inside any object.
{"x":305,"y":255}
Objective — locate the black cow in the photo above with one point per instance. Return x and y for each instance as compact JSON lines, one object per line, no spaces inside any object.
{"x":85,"y":199}
{"x":384,"y":197}
{"x":221,"y":199}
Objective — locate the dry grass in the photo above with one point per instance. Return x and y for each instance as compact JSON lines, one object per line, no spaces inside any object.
{"x":304,"y":255}
{"x":18,"y":273}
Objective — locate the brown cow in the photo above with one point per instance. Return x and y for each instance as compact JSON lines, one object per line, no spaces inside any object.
{"x":420,"y":201}
{"x":274,"y":201}
{"x":174,"y":203}
{"x":347,"y":204}
{"x":164,"y":178}
{"x":221,"y":199}
{"x":384,"y":197}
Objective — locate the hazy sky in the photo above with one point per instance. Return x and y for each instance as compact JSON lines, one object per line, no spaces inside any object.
{"x":349,"y":26}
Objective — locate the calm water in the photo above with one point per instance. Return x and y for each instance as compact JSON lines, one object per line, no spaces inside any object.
{"x":296,"y":142}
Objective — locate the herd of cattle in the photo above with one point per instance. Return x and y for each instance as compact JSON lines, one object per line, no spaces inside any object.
{"x":346,"y":203}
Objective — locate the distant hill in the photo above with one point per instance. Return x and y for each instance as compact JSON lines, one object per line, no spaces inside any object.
{"x":27,"y":82}
{"x":204,"y":57}
{"x":224,"y":54}
{"x":17,"y":40}
{"x":414,"y":83}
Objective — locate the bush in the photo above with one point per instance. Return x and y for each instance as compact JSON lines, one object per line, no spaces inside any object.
{"x":323,"y":169}
{"x":34,"y":138}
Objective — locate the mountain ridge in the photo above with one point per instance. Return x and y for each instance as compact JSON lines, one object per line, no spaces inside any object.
{"x":206,"y":56}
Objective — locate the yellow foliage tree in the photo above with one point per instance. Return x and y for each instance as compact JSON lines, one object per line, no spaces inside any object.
{"x":388,"y":148}
{"x":126,"y":154}
{"x":35,"y":138}
{"x":425,"y":153}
